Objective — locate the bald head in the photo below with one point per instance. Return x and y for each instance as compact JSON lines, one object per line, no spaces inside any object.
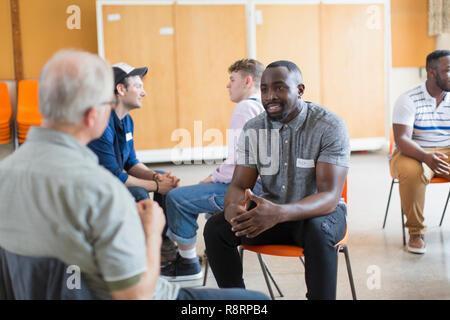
{"x":72,"y":82}
{"x":292,"y":68}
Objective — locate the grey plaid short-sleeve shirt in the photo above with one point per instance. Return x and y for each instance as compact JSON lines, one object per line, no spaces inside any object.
{"x":286,"y":155}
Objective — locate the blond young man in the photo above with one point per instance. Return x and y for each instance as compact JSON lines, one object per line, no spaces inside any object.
{"x":183,"y":205}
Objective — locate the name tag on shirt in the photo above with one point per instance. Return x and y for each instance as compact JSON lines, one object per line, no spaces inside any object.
{"x":129,"y":136}
{"x":305,"y":163}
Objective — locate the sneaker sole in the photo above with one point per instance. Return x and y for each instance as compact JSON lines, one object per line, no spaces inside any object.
{"x":417,"y":250}
{"x":184,"y":278}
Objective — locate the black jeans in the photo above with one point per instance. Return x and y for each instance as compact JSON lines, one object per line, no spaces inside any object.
{"x":317,"y":236}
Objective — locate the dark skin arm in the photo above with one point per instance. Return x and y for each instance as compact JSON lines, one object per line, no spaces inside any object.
{"x":330,"y":182}
{"x":235,"y":201}
{"x":435,"y":160}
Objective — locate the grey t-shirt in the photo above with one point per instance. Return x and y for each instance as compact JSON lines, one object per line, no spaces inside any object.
{"x":56,"y":201}
{"x":286,"y":155}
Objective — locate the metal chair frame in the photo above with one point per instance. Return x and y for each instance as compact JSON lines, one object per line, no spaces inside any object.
{"x":394,"y":180}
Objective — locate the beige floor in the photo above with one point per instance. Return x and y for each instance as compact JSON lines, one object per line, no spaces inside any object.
{"x":381,"y":267}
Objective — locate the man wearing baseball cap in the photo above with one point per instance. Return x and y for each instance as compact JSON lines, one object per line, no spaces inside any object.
{"x":115,"y":148}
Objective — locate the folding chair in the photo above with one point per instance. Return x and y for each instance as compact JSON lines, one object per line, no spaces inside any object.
{"x":27,"y":108}
{"x":394,"y":180}
{"x":5,"y":114}
{"x":292,"y":251}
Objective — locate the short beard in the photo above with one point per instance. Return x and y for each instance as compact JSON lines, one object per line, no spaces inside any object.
{"x":441,"y":84}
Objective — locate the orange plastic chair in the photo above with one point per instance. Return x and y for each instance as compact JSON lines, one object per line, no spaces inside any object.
{"x":5,"y":114}
{"x":293,"y":251}
{"x":394,"y":180}
{"x":27,"y":107}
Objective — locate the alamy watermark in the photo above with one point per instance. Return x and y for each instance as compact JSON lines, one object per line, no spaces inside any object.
{"x":374,"y":280}
{"x":74,"y":20}
{"x":74,"y":280}
{"x":262,"y":147}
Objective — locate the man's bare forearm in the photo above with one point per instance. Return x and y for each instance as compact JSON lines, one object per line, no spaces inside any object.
{"x":315,"y":205}
{"x":141,"y":171}
{"x":148,"y":185}
{"x":411,"y":149}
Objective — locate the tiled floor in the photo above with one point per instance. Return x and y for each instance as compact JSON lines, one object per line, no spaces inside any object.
{"x":382,"y":269}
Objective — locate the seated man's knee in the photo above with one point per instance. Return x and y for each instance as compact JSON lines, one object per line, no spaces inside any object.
{"x":326,"y":230}
{"x":407,"y":168}
{"x":175,"y":196}
{"x":138,"y":193}
{"x":213,"y":226}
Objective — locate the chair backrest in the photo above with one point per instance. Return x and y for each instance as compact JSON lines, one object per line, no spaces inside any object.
{"x":5,"y":103}
{"x":28,"y":101}
{"x":36,"y":278}
{"x":391,"y":141}
{"x":28,"y":94}
{"x":344,"y":192}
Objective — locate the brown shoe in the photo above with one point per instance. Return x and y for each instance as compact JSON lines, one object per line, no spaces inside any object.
{"x":416,"y":244}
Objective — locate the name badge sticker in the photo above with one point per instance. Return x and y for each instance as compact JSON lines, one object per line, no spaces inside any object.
{"x":305,"y":163}
{"x":129,"y":136}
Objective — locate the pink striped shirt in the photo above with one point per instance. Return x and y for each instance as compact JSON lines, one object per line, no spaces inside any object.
{"x":244,"y":111}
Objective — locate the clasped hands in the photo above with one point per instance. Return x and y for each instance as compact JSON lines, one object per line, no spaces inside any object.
{"x":166,"y":182}
{"x":251,"y":223}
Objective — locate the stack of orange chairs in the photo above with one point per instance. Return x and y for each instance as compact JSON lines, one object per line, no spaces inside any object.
{"x":5,"y":114}
{"x":27,"y":108}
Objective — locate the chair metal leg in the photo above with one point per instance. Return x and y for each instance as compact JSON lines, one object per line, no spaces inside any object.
{"x":403,"y":227}
{"x":445,"y":208}
{"x":272,"y":278}
{"x":206,"y":270}
{"x":266,"y":278}
{"x":389,"y":201}
{"x":344,"y":250}
{"x":302,"y":260}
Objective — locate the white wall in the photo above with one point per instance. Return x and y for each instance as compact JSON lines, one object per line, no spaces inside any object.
{"x":443,"y":42}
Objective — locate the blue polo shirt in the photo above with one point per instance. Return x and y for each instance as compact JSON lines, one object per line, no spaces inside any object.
{"x":115,"y":148}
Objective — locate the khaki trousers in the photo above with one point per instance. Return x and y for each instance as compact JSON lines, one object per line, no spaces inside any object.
{"x":413,"y":177}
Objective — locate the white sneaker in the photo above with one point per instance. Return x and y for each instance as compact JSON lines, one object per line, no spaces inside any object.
{"x":416,"y":244}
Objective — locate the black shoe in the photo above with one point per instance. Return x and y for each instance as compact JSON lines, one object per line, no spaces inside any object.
{"x":182,"y":269}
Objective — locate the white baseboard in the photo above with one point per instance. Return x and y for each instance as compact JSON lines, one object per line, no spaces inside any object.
{"x":210,"y":155}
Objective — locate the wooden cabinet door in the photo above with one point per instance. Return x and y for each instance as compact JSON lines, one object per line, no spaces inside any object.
{"x":7,"y":52}
{"x":291,"y":32}
{"x":209,"y":38}
{"x":140,"y":35}
{"x":352,"y":66}
{"x":410,"y":40}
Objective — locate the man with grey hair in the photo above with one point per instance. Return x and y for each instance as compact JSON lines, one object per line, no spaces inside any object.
{"x":75,"y":210}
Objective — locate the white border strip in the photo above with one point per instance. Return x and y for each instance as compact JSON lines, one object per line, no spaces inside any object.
{"x":135,"y":2}
{"x":182,"y":155}
{"x":220,"y":152}
{"x":388,"y":68}
{"x":211,"y":2}
{"x":274,"y":2}
{"x":100,"y":39}
{"x":354,"y":1}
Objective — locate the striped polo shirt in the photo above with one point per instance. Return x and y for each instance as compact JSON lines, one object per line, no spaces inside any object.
{"x":431,"y":125}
